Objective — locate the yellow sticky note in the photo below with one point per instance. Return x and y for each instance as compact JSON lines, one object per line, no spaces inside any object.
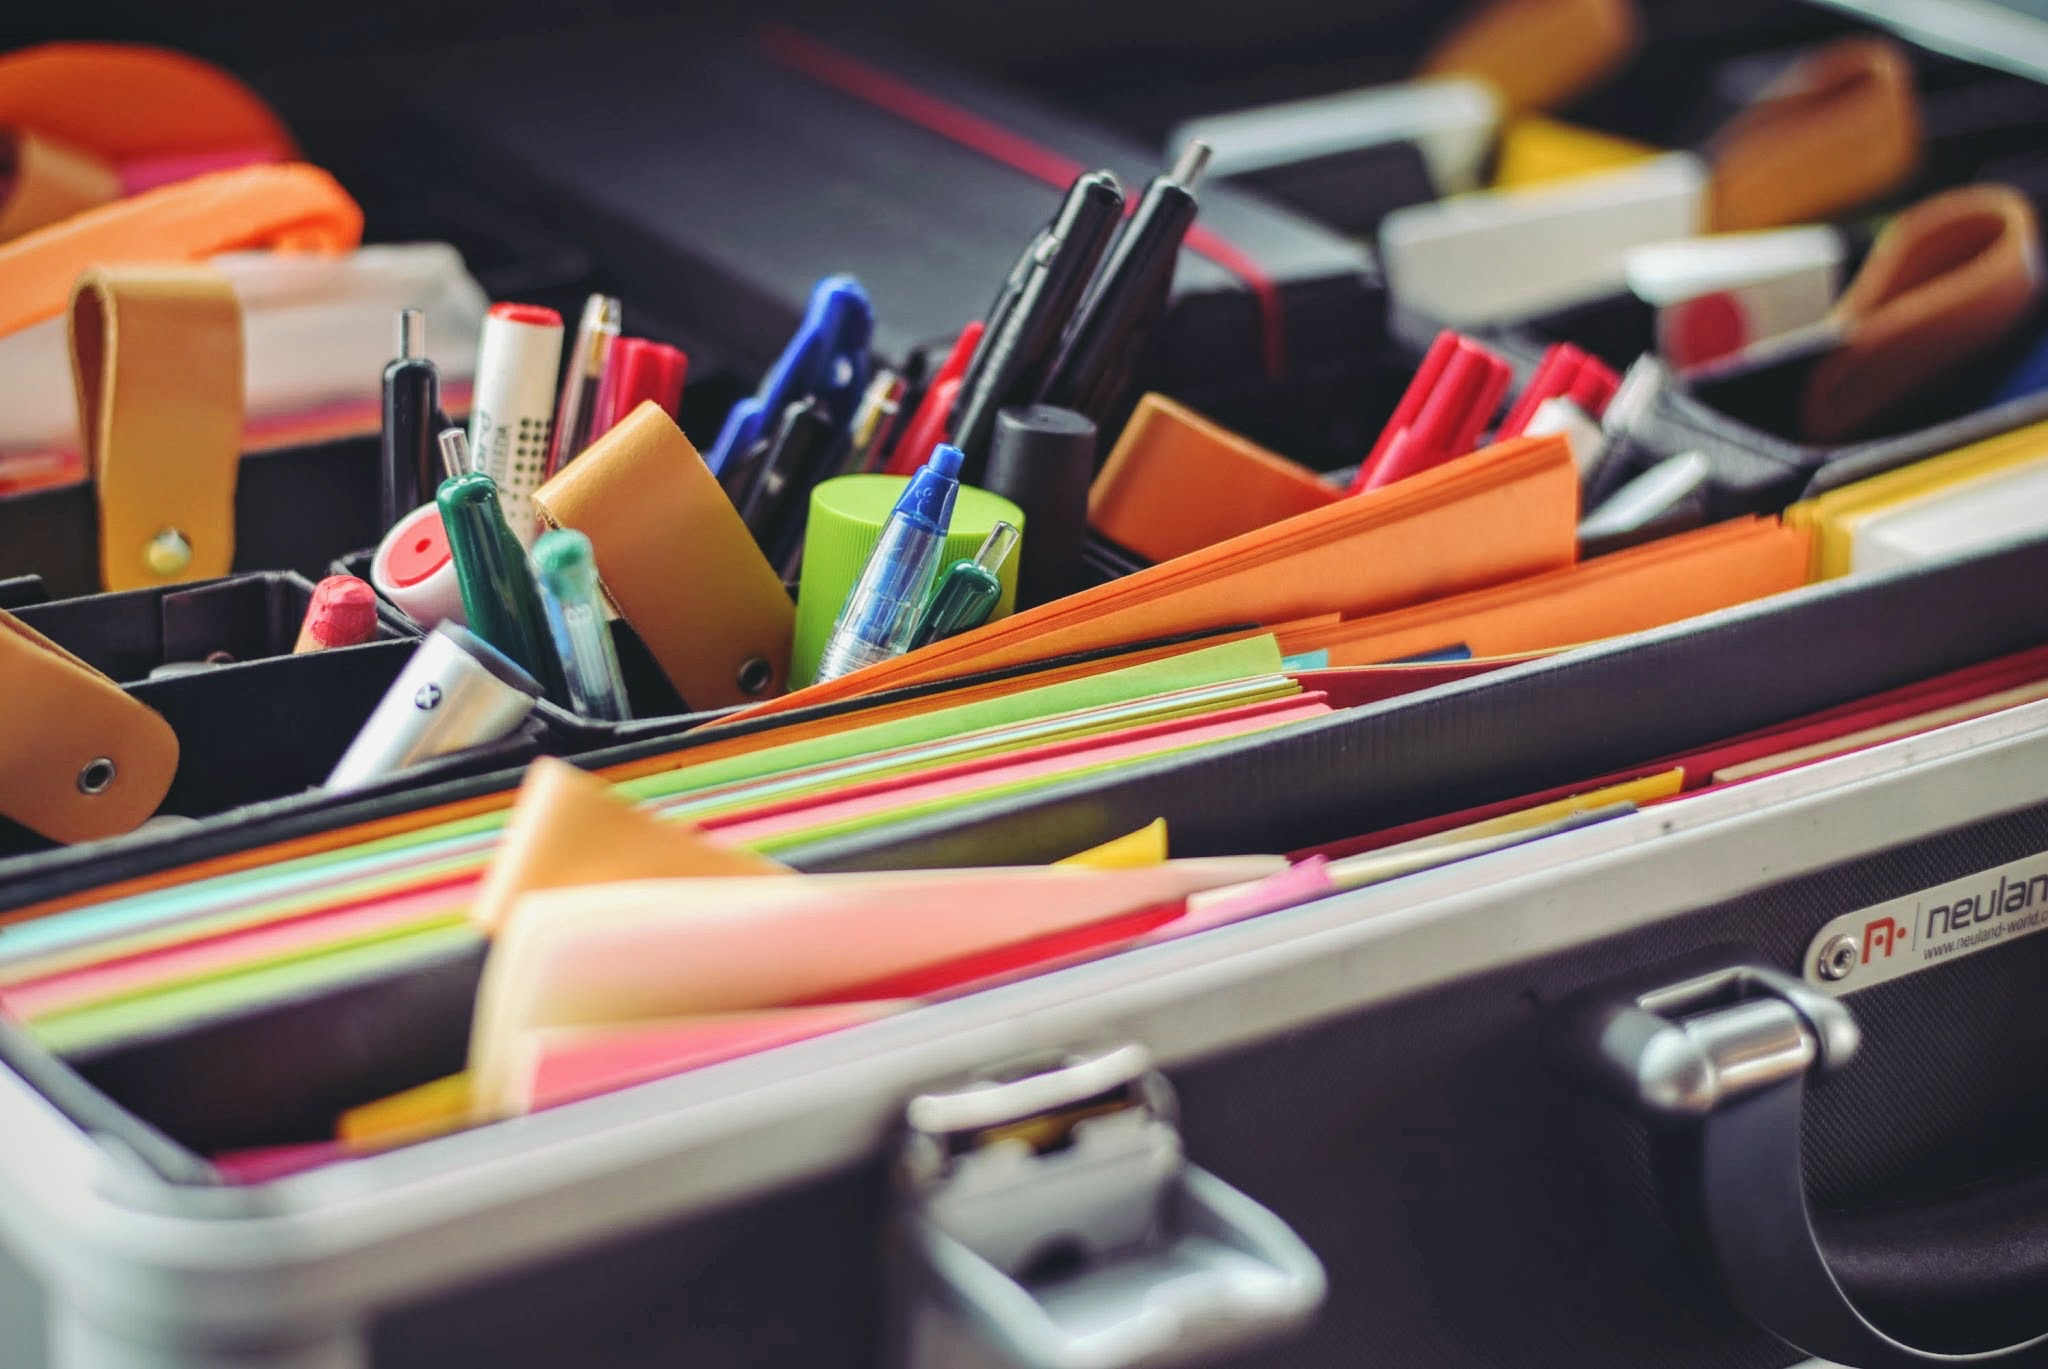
{"x":1535,"y":150}
{"x":414,"y":1115}
{"x":1132,"y":851}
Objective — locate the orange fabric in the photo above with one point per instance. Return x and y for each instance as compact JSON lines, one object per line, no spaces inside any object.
{"x":124,"y":102}
{"x":293,"y":207}
{"x":1177,"y":483}
{"x":1662,"y":582}
{"x":1499,"y":514}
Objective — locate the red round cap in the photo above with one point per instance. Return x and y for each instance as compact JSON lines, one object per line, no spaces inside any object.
{"x":421,"y":550}
{"x":539,"y":315}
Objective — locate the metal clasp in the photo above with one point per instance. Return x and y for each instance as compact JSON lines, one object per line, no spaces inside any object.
{"x":1049,"y":1219}
{"x":1680,"y":1049}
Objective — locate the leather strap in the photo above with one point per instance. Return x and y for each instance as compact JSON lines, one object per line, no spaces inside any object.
{"x":1753,"y":1204}
{"x":1836,"y":131}
{"x":79,"y":759}
{"x":677,"y":561}
{"x":46,"y":182}
{"x":1540,"y":54}
{"x":1947,"y":281}
{"x":157,"y":355}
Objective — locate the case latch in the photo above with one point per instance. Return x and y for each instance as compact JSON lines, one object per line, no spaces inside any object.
{"x":1050,"y":1219}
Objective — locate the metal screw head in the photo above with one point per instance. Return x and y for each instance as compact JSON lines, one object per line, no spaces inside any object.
{"x":97,"y":775}
{"x":755,"y":675}
{"x":168,"y":553}
{"x":1838,"y":957}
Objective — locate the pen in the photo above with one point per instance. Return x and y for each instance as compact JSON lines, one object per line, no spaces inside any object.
{"x":500,"y":599}
{"x":1018,"y":350}
{"x":570,"y":593}
{"x":827,"y":358}
{"x":881,"y":611}
{"x":639,"y":370}
{"x":512,"y":405}
{"x":343,"y":612}
{"x":1565,"y":372}
{"x":967,"y":592}
{"x":576,"y":412}
{"x":1441,"y":414}
{"x":1128,"y":298}
{"x":881,"y":408}
{"x":412,"y":398}
{"x":456,"y":691}
{"x":775,"y":507}
{"x":926,"y":427}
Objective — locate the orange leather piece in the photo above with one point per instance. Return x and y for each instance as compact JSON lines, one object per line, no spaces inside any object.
{"x":1947,"y":281}
{"x":1177,"y":483}
{"x":677,"y":560}
{"x":65,"y":729}
{"x":1540,"y":54}
{"x":156,"y":352}
{"x":46,"y":181}
{"x":125,"y":102}
{"x":293,"y":207}
{"x":1496,"y":515}
{"x":568,"y":828}
{"x":1838,"y":130}
{"x":1648,"y":586}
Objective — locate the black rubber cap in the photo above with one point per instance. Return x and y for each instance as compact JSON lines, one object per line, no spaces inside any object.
{"x":1042,"y":459}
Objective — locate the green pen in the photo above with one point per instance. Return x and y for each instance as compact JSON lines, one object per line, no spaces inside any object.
{"x":499,"y":595}
{"x":967,"y":592}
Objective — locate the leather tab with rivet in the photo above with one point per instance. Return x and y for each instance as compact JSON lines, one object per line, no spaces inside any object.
{"x":79,"y":759}
{"x":157,"y":355}
{"x":677,"y":561}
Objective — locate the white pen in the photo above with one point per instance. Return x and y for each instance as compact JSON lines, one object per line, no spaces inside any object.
{"x":513,"y":403}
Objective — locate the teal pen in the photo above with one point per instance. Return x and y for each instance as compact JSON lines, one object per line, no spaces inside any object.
{"x":968,"y":591}
{"x":499,"y":594}
{"x":569,"y":591}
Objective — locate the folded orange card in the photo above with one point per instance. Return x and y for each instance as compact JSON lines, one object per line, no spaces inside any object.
{"x":1500,"y":514}
{"x":1177,"y":483}
{"x":1648,"y":586}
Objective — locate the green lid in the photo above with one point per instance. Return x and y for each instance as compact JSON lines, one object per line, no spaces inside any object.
{"x":846,"y":521}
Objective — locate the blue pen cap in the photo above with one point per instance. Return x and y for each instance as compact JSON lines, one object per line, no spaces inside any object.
{"x":928,"y":499}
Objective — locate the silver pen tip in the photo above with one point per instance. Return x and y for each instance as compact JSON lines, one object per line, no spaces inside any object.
{"x":1193,"y":161}
{"x":412,"y":334}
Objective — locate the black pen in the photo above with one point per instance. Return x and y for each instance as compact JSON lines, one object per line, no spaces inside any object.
{"x":412,"y":405}
{"x":1018,"y":349}
{"x":1101,"y":350}
{"x":775,"y":508}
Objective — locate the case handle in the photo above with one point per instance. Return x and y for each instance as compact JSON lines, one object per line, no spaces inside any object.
{"x":1052,"y":1222}
{"x":1727,"y":1055}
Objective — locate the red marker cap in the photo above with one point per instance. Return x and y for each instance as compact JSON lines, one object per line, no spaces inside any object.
{"x":343,"y":613}
{"x":1443,"y":413}
{"x":639,"y":370}
{"x":1566,"y":372}
{"x":535,"y":315}
{"x":927,"y":427}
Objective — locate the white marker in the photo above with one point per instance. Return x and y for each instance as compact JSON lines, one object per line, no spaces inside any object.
{"x":512,"y":408}
{"x":457,"y":691}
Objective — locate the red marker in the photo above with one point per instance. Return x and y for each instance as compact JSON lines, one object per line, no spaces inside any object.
{"x":639,"y":370}
{"x":1565,"y":372}
{"x":928,"y":426}
{"x":343,"y":613}
{"x":1441,"y":415}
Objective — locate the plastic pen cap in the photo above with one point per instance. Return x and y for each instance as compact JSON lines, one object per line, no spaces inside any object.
{"x":968,"y":592}
{"x":639,"y":370}
{"x":1042,"y":459}
{"x":456,"y":691}
{"x":1586,"y":438}
{"x":414,"y":569}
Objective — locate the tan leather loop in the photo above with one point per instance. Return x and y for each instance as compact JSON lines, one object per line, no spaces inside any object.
{"x":47,"y":182}
{"x":79,"y":759}
{"x":157,"y":355}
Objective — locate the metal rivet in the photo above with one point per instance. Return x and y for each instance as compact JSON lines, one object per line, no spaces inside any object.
{"x":1838,"y":957}
{"x":96,"y":776}
{"x":755,"y":675}
{"x":168,"y":553}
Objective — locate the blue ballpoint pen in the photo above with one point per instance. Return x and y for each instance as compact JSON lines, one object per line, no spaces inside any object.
{"x":827,"y":359}
{"x":881,"y":613}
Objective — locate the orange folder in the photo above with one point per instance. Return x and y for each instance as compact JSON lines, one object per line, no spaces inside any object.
{"x":1648,"y":586}
{"x":1500,"y":514}
{"x":1177,"y":483}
